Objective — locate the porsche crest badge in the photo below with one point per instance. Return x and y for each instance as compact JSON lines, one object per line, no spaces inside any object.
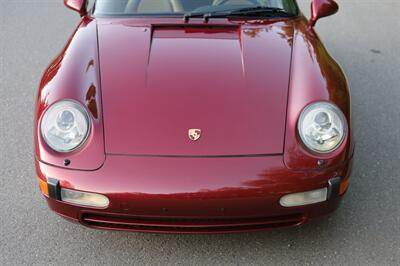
{"x":194,"y":134}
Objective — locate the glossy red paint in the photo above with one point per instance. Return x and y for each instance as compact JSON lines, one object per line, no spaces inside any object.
{"x":315,"y":76}
{"x":231,"y":81}
{"x":195,"y":189}
{"x":74,"y":74}
{"x":77,"y":5}
{"x":243,"y":82}
{"x":322,"y":8}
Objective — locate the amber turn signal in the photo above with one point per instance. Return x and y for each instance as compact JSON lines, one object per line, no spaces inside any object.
{"x":343,"y":186}
{"x":43,"y":187}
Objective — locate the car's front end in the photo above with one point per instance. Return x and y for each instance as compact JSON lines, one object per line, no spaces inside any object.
{"x":193,"y":195}
{"x":193,"y":125}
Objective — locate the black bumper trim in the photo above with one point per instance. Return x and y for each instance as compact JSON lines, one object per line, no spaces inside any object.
{"x":54,"y":188}
{"x":334,"y":187}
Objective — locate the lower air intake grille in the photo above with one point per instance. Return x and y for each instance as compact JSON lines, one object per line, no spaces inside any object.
{"x":183,"y":225}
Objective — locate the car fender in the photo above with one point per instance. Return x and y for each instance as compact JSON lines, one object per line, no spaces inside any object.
{"x":74,"y":75}
{"x":315,"y":76}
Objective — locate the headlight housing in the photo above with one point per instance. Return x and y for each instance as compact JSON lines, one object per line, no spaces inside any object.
{"x":65,"y":126}
{"x":322,"y":127}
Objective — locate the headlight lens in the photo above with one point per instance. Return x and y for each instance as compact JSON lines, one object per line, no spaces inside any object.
{"x":322,"y":127}
{"x":65,"y":126}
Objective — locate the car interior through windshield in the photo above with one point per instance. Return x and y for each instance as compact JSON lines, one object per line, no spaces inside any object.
{"x":176,"y":7}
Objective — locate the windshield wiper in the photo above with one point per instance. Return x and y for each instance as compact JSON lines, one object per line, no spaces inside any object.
{"x":248,"y":11}
{"x":259,"y":10}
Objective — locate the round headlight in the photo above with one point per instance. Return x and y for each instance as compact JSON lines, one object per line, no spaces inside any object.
{"x":65,"y":126}
{"x":322,"y":127}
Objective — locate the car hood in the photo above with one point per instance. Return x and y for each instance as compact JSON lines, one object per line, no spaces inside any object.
{"x":160,"y":81}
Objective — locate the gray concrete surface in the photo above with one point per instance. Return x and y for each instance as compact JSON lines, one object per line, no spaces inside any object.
{"x":364,"y":37}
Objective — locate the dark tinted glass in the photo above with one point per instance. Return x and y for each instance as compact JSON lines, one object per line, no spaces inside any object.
{"x":176,"y":7}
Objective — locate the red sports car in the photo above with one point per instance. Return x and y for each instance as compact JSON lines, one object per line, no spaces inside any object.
{"x":194,"y":116}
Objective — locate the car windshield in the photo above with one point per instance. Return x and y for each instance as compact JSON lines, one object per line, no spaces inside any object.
{"x":185,"y":7}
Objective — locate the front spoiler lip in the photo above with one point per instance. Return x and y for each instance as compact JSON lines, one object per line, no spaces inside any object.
{"x":188,"y":225}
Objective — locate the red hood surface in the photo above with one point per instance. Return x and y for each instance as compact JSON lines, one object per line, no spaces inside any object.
{"x":158,"y":81}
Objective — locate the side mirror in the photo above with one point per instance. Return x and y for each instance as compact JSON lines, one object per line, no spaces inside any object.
{"x":320,"y":9}
{"x":77,"y":5}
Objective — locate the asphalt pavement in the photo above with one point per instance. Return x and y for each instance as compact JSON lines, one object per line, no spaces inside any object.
{"x":363,"y":37}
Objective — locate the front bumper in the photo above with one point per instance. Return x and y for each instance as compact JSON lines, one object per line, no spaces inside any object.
{"x":194,"y":195}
